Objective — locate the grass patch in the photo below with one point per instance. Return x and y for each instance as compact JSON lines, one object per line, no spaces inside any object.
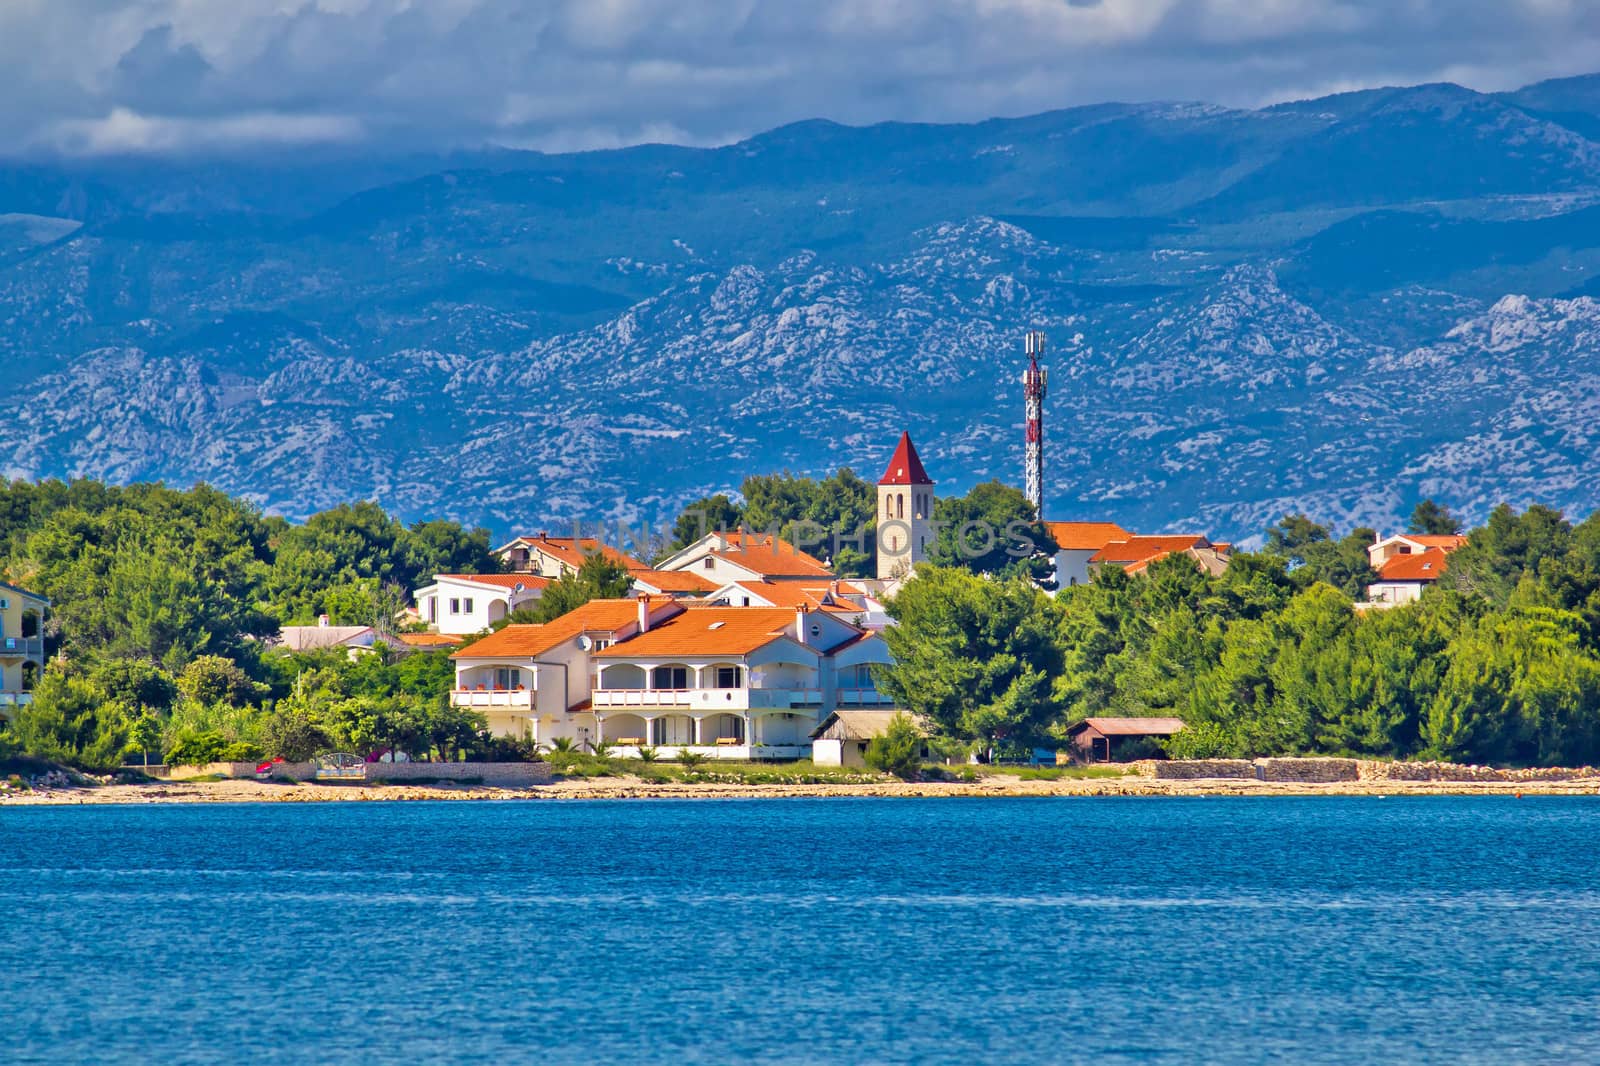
{"x":711,"y":771}
{"x":198,"y":779}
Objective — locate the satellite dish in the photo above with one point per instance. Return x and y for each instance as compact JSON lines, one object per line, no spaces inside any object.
{"x":585,"y":641}
{"x":519,"y":587}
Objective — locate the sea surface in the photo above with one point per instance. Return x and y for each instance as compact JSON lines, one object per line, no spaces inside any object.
{"x":1240,"y":930}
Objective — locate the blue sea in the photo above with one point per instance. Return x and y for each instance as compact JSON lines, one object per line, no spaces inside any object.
{"x":1247,"y":930}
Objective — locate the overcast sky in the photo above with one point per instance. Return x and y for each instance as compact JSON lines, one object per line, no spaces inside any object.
{"x":99,"y":76}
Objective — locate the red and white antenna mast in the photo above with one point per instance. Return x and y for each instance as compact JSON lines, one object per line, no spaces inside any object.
{"x":1034,"y":382}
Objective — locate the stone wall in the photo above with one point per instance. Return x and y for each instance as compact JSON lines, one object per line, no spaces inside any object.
{"x":1306,"y":771}
{"x":1375,"y":770}
{"x":502,"y":774}
{"x":1193,"y":769}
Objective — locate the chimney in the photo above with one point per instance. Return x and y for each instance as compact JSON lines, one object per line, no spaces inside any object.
{"x":800,"y":625}
{"x":644,"y":612}
{"x":322,"y":620}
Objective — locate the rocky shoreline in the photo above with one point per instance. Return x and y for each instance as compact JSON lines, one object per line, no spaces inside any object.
{"x":1200,"y":778}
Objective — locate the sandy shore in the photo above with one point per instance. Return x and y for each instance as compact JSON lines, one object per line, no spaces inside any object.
{"x":632,"y":788}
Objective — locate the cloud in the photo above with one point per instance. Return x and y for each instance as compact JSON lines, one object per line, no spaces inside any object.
{"x":159,"y":76}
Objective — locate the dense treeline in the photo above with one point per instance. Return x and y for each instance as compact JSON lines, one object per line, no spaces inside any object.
{"x":161,"y":598}
{"x":1500,"y":663}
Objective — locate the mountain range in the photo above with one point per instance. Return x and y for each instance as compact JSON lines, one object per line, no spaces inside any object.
{"x":1337,"y":305}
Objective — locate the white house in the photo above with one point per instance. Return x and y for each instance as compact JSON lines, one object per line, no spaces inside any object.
{"x":739,"y":682}
{"x":1076,"y":544}
{"x":470,"y":603}
{"x":1406,"y":564}
{"x":551,"y":557}
{"x":534,"y":680}
{"x":731,"y":682}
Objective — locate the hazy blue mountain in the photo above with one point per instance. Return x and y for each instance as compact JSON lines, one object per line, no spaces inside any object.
{"x":1339,"y":304}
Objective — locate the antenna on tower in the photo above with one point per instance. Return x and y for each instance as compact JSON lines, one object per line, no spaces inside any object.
{"x":1035,"y":381}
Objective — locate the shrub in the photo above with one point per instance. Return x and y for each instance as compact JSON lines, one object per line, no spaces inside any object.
{"x":198,"y":749}
{"x":648,"y":754}
{"x":898,"y":751}
{"x":691,"y":759}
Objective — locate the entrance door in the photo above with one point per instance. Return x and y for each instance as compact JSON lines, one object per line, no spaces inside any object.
{"x":1099,"y":749}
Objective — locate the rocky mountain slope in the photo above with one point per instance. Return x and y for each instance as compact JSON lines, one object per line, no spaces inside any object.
{"x":1337,"y":306}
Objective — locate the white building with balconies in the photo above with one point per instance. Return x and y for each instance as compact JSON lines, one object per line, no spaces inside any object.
{"x":729,"y":682}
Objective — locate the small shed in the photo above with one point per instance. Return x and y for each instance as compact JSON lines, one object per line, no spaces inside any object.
{"x":1098,"y":739}
{"x":843,"y":736}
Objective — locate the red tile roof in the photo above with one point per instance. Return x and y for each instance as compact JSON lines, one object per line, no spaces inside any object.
{"x":1418,"y":566}
{"x":770,"y":556}
{"x":1129,"y":727}
{"x":430,"y":640}
{"x":523,"y":641}
{"x":1085,"y":536}
{"x":702,"y":631}
{"x":793,"y":594}
{"x":905,"y":467}
{"x":1147,"y":549}
{"x":572,"y":551}
{"x":503,"y":581}
{"x":674,"y":581}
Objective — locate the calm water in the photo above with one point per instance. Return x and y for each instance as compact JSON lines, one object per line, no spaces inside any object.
{"x":1215,"y":930}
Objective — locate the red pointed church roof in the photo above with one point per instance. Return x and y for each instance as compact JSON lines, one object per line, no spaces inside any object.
{"x":905,"y":468}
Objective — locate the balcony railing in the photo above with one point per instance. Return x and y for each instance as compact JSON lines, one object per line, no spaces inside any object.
{"x":730,"y":699}
{"x":15,"y":699}
{"x":22,"y":647}
{"x":517,"y":699}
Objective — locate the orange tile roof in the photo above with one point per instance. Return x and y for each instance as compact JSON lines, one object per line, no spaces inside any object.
{"x":905,"y":466}
{"x":1085,"y":536}
{"x":522,"y":641}
{"x":430,"y":640}
{"x":1418,"y":566}
{"x":701,"y":631}
{"x":793,"y":594}
{"x":504,"y":581}
{"x":1149,"y":548}
{"x":770,"y":556}
{"x":675,"y":581}
{"x":572,"y":551}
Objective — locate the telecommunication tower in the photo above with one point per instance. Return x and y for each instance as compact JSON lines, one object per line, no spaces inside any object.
{"x":1034,"y":382}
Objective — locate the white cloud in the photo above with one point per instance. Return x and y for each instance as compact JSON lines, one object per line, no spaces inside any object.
{"x":92,"y":76}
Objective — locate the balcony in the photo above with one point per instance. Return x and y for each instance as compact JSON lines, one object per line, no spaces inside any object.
{"x":512,"y":699}
{"x":731,"y":699}
{"x":22,"y":648}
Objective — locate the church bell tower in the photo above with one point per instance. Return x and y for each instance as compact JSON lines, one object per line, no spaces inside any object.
{"x":905,"y":512}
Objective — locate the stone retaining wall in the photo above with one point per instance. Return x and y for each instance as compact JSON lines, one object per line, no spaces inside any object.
{"x":502,"y":774}
{"x":1374,"y":770}
{"x":1192,"y":769}
{"x":1306,"y":771}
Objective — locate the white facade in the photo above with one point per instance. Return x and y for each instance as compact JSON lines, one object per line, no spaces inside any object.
{"x":460,"y":604}
{"x":757,"y":702}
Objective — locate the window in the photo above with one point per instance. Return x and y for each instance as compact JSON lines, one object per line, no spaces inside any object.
{"x":900,"y":505}
{"x":455,"y":606}
{"x":670,"y":677}
{"x":507,"y":677}
{"x":888,"y":507}
{"x":466,"y":606}
{"x":728,"y":677}
{"x":710,"y":563}
{"x":672,"y":729}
